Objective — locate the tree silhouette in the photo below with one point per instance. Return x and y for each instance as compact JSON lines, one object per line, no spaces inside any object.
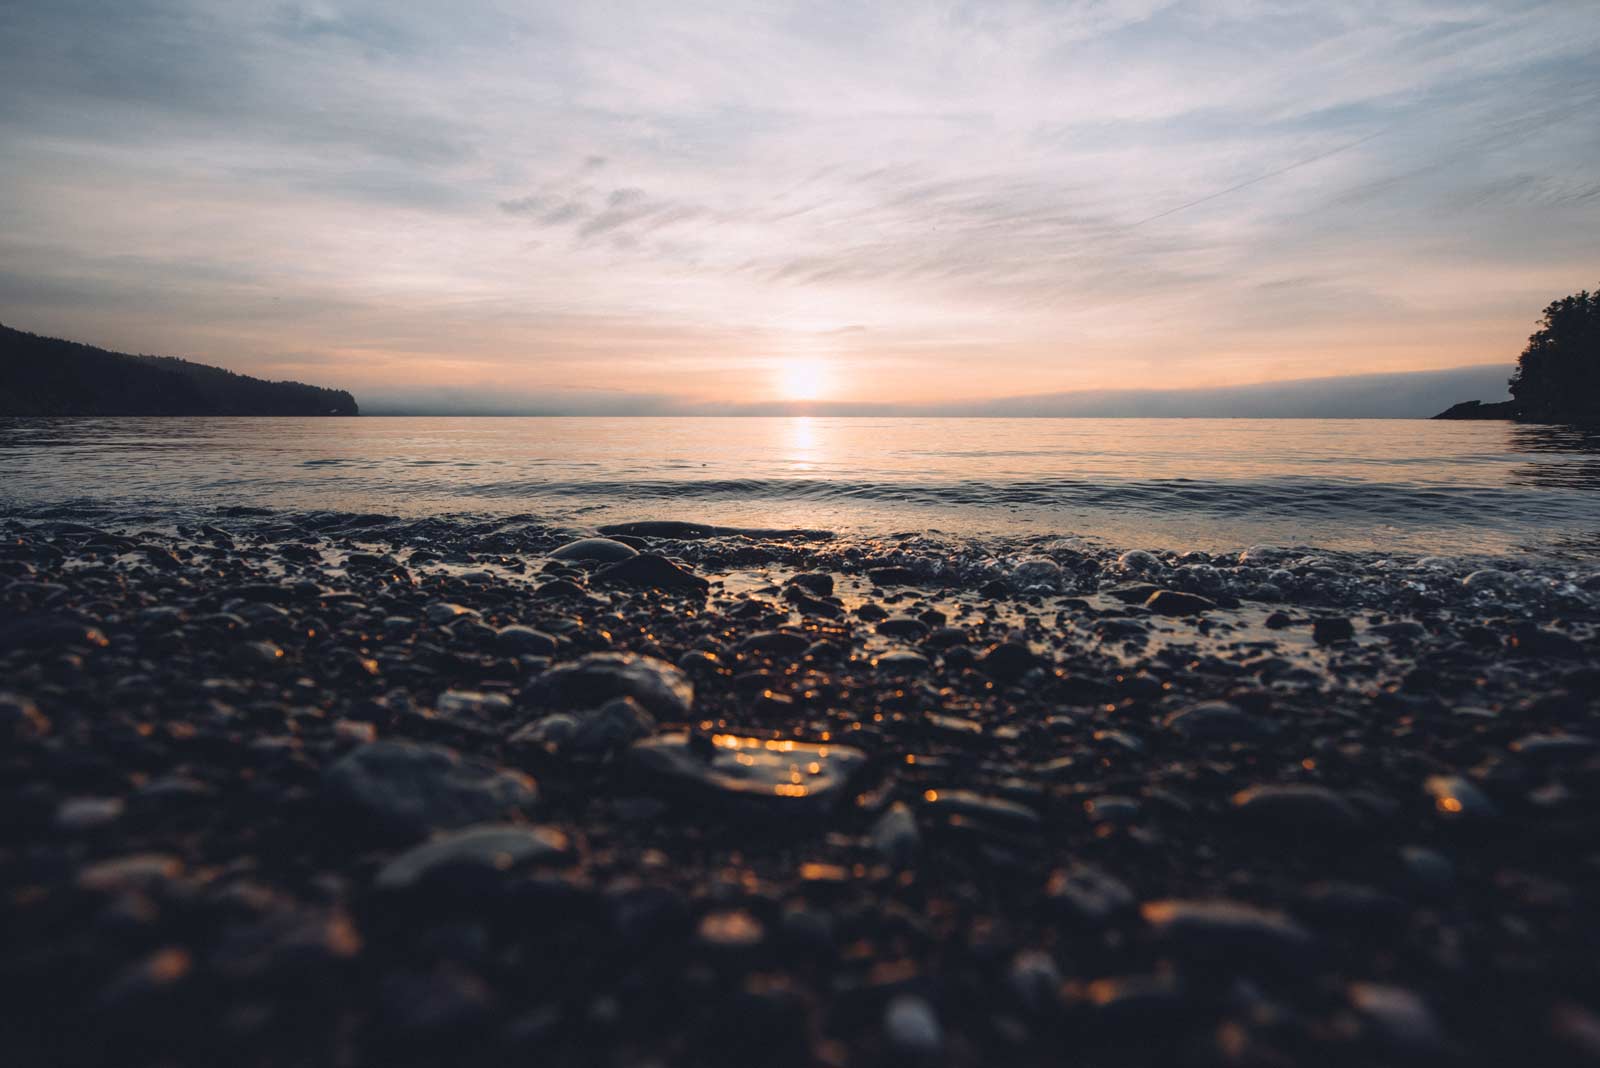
{"x":1558,"y":374}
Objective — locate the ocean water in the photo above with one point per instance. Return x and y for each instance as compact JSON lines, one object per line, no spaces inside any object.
{"x":1215,"y":484}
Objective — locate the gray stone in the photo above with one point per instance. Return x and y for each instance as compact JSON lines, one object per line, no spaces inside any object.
{"x":407,"y":789}
{"x":475,"y":855}
{"x":590,"y":682}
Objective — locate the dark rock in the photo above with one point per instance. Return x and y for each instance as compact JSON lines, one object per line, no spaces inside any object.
{"x":517,"y":639}
{"x":652,"y":572}
{"x":817,"y":582}
{"x":1297,"y":809}
{"x":1329,"y":629}
{"x":597,"y":550}
{"x":780,"y":642}
{"x":407,"y":790}
{"x":470,"y":861}
{"x":1178,"y":603}
{"x":1007,"y":661}
{"x":896,"y":837}
{"x":893,"y":576}
{"x":590,"y":682}
{"x":1218,"y":721}
{"x":1227,"y":932}
{"x":1089,"y":894}
{"x":1397,"y":1018}
{"x":903,"y":627}
{"x":1458,"y":800}
{"x":20,"y":718}
{"x":902,"y":662}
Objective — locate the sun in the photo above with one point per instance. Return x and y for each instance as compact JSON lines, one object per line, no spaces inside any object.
{"x":802,"y":379}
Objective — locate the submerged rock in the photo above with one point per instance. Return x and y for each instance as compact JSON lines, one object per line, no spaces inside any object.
{"x":781,"y":773}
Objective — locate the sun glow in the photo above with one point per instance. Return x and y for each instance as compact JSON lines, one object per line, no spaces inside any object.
{"x":802,"y":379}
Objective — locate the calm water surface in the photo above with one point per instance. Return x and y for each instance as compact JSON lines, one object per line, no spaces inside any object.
{"x":1389,"y":485}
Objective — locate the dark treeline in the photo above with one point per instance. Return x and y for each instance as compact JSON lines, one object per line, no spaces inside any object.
{"x":1558,"y":374}
{"x":48,"y":376}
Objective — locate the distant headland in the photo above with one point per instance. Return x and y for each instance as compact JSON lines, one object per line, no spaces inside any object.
{"x":49,"y":376}
{"x":1557,"y":379}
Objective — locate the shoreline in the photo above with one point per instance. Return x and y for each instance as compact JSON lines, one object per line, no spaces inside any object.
{"x":866,"y":799}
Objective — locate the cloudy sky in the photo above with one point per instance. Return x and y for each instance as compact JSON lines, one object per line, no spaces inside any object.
{"x":689,"y":203}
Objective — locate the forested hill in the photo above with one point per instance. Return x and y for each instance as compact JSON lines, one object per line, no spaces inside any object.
{"x":48,"y":376}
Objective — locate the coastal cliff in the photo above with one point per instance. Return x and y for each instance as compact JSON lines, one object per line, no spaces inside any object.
{"x":50,"y":376}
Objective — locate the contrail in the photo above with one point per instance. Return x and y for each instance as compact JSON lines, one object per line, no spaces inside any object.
{"x":1258,"y":178}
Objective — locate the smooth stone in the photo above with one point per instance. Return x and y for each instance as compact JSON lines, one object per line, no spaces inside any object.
{"x":1007,"y":661}
{"x":1458,"y":800}
{"x":903,"y":627}
{"x":730,"y":930}
{"x":1325,"y":630}
{"x":20,"y":718}
{"x":1219,"y":931}
{"x":1112,"y":809}
{"x":780,"y":773}
{"x":133,"y":872}
{"x":1297,"y":808}
{"x":912,"y":1027}
{"x":1553,"y":748}
{"x":817,"y":582}
{"x":893,"y":576}
{"x":1133,"y":592}
{"x":1396,"y":1017}
{"x":1178,"y":603}
{"x":559,"y":587}
{"x":472,"y":703}
{"x":1217,"y":721}
{"x":1140,"y":562}
{"x":901,"y":662}
{"x":599,"y":550}
{"x":652,"y":572}
{"x":518,"y":639}
{"x":1037,"y":572}
{"x":1428,"y":873}
{"x":88,"y":813}
{"x":1139,"y":1002}
{"x":474,"y":857}
{"x":409,"y":789}
{"x":1035,"y":980}
{"x":779,"y":642}
{"x":1088,"y":893}
{"x":617,"y":723}
{"x":968,"y":806}
{"x":664,"y":690}
{"x":895,"y":835}
{"x":249,"y":656}
{"x":442,"y":612}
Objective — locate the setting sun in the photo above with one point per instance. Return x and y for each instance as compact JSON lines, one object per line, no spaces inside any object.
{"x":802,"y":380}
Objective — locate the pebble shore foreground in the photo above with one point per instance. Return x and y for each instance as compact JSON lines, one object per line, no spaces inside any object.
{"x":344,"y":790}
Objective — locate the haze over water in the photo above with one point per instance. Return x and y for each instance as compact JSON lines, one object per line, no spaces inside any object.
{"x":1382,"y":485}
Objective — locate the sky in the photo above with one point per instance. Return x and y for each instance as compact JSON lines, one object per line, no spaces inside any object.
{"x":689,"y":206}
